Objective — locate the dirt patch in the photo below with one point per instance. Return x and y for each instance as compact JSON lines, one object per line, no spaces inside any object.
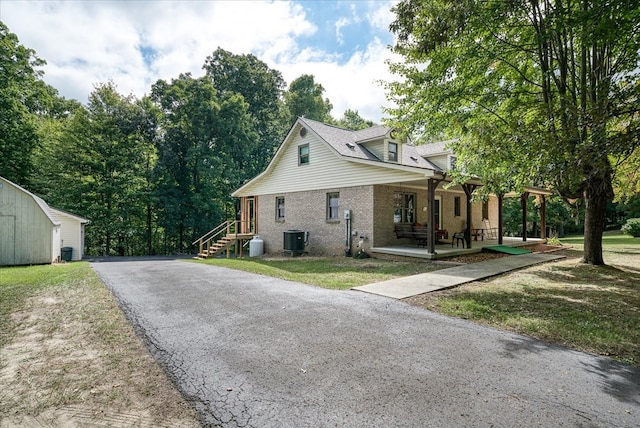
{"x":75,"y":361}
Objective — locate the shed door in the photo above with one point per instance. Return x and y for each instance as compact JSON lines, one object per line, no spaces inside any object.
{"x":7,"y":240}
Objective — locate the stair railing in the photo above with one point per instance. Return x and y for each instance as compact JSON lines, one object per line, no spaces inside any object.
{"x":204,"y":242}
{"x":229,"y":227}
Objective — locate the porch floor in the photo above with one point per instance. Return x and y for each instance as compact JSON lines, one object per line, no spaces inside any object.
{"x":446,"y":250}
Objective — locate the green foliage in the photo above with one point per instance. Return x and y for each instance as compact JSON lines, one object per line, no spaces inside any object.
{"x":304,"y":99}
{"x":351,"y":119}
{"x":262,"y":89}
{"x":561,"y":217}
{"x":632,"y":227}
{"x":22,"y":95}
{"x":535,"y":92}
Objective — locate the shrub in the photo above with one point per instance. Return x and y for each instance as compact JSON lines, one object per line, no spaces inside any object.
{"x":554,"y":240}
{"x":632,"y":227}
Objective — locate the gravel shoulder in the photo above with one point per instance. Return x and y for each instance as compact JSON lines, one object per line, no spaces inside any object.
{"x":75,"y":361}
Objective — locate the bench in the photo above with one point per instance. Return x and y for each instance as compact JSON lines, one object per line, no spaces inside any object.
{"x":403,"y":230}
{"x":417,"y":233}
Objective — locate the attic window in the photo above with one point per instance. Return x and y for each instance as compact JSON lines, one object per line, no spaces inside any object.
{"x":303,"y":154}
{"x":303,"y":132}
{"x":351,"y":145}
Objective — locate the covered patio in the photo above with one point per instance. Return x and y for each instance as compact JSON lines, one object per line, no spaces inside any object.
{"x":444,"y":249}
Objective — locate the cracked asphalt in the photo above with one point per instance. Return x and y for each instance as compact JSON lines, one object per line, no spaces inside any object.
{"x":254,"y":351}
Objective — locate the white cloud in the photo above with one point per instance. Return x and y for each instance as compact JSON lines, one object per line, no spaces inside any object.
{"x":341,"y":23}
{"x":91,"y":42}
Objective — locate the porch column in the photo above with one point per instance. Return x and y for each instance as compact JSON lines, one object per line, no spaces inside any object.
{"x":468,"y":190}
{"x":431,"y":217}
{"x":523,"y":204}
{"x":500,"y":214}
{"x":543,"y":217}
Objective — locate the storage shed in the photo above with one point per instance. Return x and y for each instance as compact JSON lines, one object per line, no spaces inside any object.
{"x":30,"y":230}
{"x":71,"y":232}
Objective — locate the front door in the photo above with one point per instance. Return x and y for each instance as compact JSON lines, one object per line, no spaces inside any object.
{"x":248,"y":215}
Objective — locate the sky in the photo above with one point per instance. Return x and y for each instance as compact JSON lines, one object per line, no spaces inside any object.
{"x":343,"y":44}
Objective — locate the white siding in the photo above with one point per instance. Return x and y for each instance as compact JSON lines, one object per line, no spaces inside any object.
{"x":325,"y":170}
{"x":441,"y":161}
{"x":71,"y":233}
{"x":378,"y":148}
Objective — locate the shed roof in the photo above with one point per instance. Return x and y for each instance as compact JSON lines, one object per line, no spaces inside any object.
{"x":39,"y":201}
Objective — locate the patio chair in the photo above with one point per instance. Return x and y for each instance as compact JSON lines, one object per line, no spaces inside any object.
{"x":459,"y":237}
{"x":491,"y":232}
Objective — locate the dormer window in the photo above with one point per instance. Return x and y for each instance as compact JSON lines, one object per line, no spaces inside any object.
{"x":392,"y":152}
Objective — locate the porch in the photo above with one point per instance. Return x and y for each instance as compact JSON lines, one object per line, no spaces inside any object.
{"x":444,"y":249}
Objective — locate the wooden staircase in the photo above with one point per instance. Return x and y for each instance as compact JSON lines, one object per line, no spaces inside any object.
{"x":222,"y":239}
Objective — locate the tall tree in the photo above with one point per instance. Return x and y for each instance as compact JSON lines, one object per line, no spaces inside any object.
{"x":262,"y":88}
{"x":351,"y":119}
{"x":100,"y":160}
{"x":305,"y":98}
{"x":542,"y":91}
{"x":202,"y":155}
{"x":22,"y":92}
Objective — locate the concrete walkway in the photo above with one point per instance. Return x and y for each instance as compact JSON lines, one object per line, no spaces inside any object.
{"x":400,"y":288}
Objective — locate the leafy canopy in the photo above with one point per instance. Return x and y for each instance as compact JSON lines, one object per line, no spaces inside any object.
{"x":536,"y":91}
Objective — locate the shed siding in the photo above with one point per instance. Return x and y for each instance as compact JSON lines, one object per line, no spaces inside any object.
{"x":325,"y":170}
{"x":33,"y":231}
{"x":71,"y":234}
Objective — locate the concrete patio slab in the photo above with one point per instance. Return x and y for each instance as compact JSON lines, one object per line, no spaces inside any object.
{"x":400,"y":288}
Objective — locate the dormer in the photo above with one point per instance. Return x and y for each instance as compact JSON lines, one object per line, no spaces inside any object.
{"x":387,"y":148}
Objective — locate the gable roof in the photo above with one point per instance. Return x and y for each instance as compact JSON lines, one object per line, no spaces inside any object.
{"x":348,"y":143}
{"x":433,"y":149}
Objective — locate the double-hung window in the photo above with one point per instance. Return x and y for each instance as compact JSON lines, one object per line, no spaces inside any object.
{"x":303,"y":154}
{"x":280,"y":208}
{"x":404,"y":207}
{"x":333,"y":206}
{"x":392,"y":149}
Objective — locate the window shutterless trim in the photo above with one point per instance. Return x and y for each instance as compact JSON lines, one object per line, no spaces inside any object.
{"x":303,"y":154}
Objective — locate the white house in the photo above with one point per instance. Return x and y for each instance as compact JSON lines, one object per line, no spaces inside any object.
{"x":31,"y":232}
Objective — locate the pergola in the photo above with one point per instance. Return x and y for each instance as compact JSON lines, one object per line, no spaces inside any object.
{"x":469,"y":188}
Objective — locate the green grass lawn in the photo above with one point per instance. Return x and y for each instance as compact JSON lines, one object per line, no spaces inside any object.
{"x":591,"y":308}
{"x":338,"y":273}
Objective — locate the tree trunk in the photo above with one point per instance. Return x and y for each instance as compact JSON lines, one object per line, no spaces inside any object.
{"x":596,"y":196}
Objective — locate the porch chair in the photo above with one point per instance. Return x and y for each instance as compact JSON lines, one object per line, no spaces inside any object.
{"x":492,"y":232}
{"x":459,"y":237}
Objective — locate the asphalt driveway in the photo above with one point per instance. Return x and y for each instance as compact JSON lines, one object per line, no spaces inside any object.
{"x":254,"y":351}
